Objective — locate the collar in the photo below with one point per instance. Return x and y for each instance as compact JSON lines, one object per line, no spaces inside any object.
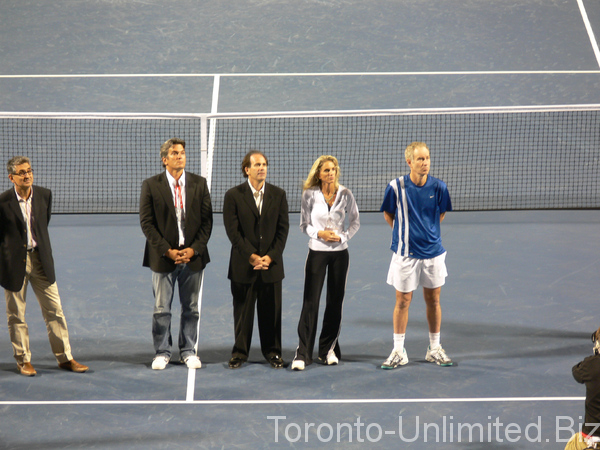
{"x":172,"y":180}
{"x":254,"y":191}
{"x":21,"y":199}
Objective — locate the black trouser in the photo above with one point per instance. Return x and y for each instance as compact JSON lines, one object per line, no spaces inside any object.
{"x":267,"y":298}
{"x":318,"y":263}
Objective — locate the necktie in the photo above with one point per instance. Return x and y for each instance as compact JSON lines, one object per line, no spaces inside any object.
{"x":257,"y":199}
{"x":178,"y":197}
{"x":180,"y":213}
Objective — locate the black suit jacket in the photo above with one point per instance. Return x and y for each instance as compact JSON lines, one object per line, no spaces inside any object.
{"x":251,"y":232}
{"x":159,"y":221}
{"x":13,"y":237}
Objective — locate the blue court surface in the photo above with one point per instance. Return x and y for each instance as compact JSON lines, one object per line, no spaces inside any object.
{"x":520,"y":301}
{"x":518,"y":310}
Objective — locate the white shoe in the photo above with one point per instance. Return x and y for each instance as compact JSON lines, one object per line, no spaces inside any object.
{"x":298,"y":364}
{"x":395,"y":359}
{"x":192,"y":362}
{"x":438,"y":356}
{"x":332,"y":360}
{"x":160,"y":362}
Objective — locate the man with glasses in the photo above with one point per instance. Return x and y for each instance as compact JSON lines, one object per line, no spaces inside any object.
{"x":26,"y":257}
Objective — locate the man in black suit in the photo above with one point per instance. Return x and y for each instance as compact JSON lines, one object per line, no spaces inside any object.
{"x":255,"y":214}
{"x":176,"y":218}
{"x":26,"y":257}
{"x":588,"y":372}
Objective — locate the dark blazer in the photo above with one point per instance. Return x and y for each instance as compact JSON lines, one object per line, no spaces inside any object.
{"x":13,"y":237}
{"x":159,"y":221}
{"x":249,"y":232}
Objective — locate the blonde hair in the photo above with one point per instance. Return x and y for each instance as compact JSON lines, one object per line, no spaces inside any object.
{"x":313,"y":176}
{"x":410,"y":150}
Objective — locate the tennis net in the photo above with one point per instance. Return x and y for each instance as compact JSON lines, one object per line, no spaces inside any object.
{"x":491,"y":158}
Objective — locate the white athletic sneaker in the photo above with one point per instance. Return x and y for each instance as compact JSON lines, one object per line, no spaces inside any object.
{"x":332,"y":359}
{"x":395,"y":359}
{"x":438,"y":356}
{"x":160,"y":362}
{"x":298,"y":364}
{"x":192,"y":362}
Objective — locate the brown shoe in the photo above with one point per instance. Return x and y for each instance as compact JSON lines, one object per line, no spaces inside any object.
{"x":73,"y":366}
{"x":26,"y":369}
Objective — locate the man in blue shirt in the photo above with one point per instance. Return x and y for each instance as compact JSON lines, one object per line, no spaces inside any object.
{"x":414,"y":206}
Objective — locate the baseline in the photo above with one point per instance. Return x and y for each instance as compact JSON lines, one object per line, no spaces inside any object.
{"x":304,"y":74}
{"x":295,"y":401}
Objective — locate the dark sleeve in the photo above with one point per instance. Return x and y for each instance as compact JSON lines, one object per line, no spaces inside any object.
{"x":231,"y":221}
{"x":281,"y":231}
{"x":49,"y":212}
{"x":584,"y":371}
{"x":206,"y":216}
{"x":148,"y":221}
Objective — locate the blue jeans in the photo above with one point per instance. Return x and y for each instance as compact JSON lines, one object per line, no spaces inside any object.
{"x":163,"y":286}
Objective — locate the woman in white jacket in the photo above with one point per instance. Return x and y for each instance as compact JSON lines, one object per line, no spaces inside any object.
{"x":325,"y":206}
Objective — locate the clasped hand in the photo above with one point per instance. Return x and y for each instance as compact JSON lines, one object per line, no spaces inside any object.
{"x":329,"y":236}
{"x":180,"y":256}
{"x":260,"y":262}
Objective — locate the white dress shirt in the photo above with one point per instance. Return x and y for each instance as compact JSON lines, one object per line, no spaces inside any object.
{"x":179,"y":204}
{"x":26,"y":211}
{"x":261,"y":195}
{"x":316,"y":216}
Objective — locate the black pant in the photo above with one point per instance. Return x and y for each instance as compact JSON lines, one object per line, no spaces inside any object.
{"x":318,"y":263}
{"x":267,"y":297}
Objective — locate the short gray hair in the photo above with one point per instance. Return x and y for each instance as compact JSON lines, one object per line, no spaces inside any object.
{"x":11,"y":165}
{"x":164,"y":149}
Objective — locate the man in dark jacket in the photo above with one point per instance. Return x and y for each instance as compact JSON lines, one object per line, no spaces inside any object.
{"x":255,"y":215}
{"x":26,"y":257}
{"x":176,"y":218}
{"x":588,"y":372}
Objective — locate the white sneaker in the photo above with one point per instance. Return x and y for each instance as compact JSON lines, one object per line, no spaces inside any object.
{"x":160,"y":362}
{"x":298,"y":364}
{"x":332,"y":360}
{"x":395,"y":359}
{"x":438,"y":356}
{"x":192,"y":362}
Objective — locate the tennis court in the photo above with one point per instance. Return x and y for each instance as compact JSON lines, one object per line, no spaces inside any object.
{"x":519,"y":303}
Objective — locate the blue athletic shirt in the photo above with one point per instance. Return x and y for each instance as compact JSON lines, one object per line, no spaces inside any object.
{"x":419,"y":236}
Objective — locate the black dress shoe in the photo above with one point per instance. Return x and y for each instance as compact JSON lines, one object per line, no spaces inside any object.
{"x":235,"y":362}
{"x":276,"y":362}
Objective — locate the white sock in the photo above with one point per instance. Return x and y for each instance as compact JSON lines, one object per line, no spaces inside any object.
{"x":399,"y":342}
{"x":434,"y":340}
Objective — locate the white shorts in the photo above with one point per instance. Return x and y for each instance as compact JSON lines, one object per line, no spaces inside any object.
{"x":406,"y":273}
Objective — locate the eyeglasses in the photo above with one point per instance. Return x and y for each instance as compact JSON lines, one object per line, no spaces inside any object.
{"x":22,"y":173}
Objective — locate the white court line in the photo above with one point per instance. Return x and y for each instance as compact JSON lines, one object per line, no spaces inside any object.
{"x":297,"y":401}
{"x":212,"y":123}
{"x":191,"y":381}
{"x":310,"y":113}
{"x":589,"y":29}
{"x":215,"y":96}
{"x":308,"y":74}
